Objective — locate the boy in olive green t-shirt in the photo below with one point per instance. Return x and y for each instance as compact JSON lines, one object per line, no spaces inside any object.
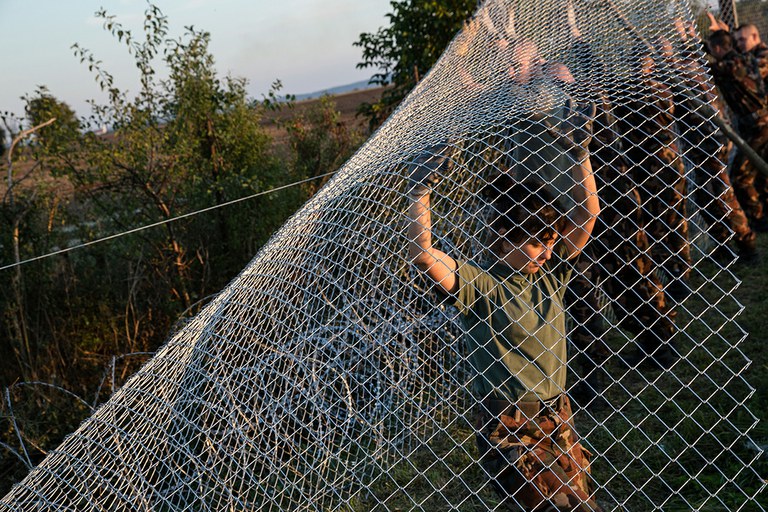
{"x":514,"y":322}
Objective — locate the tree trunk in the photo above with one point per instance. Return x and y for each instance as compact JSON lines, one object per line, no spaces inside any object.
{"x":18,"y":313}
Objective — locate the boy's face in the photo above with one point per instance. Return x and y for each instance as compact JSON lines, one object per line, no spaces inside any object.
{"x":525,"y":59}
{"x":529,"y":256}
{"x":718,"y":51}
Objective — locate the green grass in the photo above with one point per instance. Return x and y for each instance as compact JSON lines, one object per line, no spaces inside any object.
{"x":672,"y":441}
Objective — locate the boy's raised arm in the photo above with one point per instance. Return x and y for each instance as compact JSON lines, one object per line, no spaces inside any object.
{"x":425,"y":173}
{"x":574,"y":138}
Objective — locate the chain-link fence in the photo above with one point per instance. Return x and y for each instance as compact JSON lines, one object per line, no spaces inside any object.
{"x":424,"y":334}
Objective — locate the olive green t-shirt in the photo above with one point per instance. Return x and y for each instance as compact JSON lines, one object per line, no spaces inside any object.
{"x":515,"y":328}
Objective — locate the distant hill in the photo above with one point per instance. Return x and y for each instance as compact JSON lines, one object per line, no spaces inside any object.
{"x":341,"y":89}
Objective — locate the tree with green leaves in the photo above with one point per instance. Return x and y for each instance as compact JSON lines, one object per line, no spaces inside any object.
{"x":320,"y":143}
{"x":187,"y":142}
{"x":403,"y":52}
{"x":58,"y":136}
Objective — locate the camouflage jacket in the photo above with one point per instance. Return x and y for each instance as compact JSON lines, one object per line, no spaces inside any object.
{"x":737,"y":76}
{"x":688,"y":99}
{"x":647,"y":119}
{"x":760,"y":52}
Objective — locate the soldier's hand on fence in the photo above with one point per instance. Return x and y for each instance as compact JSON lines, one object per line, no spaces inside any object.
{"x":426,"y":170}
{"x":715,"y":24}
{"x":575,"y":132}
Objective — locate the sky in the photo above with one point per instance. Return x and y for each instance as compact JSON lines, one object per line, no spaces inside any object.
{"x":306,"y":44}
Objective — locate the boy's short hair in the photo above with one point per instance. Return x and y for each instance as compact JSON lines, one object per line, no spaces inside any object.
{"x":525,"y":210}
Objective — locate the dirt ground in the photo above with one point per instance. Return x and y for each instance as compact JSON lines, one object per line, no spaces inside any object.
{"x":347,"y":104}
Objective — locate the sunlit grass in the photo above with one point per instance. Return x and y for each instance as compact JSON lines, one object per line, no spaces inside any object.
{"x":676,"y":440}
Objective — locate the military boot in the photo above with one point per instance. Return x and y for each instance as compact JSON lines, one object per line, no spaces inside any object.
{"x":655,"y":349}
{"x":747,"y":250}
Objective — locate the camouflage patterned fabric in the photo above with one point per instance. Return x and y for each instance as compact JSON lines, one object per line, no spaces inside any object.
{"x":718,"y":202}
{"x":740,"y":83}
{"x":750,"y":186}
{"x":707,"y":147}
{"x":737,"y":76}
{"x":760,"y":52}
{"x":647,"y":123}
{"x":537,"y":463}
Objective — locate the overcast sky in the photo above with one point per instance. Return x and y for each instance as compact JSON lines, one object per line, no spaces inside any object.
{"x":307,"y":44}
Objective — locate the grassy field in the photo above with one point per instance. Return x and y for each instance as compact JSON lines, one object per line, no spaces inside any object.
{"x":684,"y":440}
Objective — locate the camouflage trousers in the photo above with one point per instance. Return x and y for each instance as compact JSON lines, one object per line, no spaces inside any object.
{"x":534,"y":458}
{"x":618,"y":257}
{"x":750,"y":185}
{"x":715,"y":195}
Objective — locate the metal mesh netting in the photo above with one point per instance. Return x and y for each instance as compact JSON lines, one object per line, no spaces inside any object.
{"x":330,"y":374}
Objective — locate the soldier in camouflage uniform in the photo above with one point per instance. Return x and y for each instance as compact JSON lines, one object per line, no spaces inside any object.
{"x":618,"y":258}
{"x":714,"y":193}
{"x":705,"y":146}
{"x":748,"y":40}
{"x":645,"y":118}
{"x":737,"y":76}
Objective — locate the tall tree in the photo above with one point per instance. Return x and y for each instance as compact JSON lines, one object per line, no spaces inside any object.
{"x":58,"y":136}
{"x":178,"y":145}
{"x":183,"y":143}
{"x":402,"y":53}
{"x":190,"y":141}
